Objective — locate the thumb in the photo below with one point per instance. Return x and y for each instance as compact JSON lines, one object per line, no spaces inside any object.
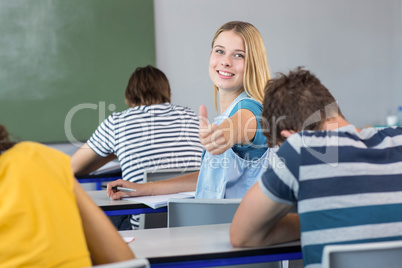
{"x":203,"y":115}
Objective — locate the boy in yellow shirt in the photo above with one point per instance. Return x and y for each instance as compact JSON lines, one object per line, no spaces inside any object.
{"x":46,"y":218}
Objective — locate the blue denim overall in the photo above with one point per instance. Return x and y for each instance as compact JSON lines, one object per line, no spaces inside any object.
{"x":228,"y":175}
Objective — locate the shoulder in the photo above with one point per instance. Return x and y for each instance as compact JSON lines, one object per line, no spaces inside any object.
{"x":249,"y":104}
{"x":383,"y":132}
{"x":32,"y":152}
{"x":127,"y":116}
{"x":162,"y":108}
{"x":127,"y":112}
{"x":181,"y":113}
{"x":184,"y":109}
{"x":30,"y":146}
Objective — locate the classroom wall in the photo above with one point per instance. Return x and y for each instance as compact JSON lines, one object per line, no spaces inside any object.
{"x":354,"y":47}
{"x":400,"y":55}
{"x":64,"y":65}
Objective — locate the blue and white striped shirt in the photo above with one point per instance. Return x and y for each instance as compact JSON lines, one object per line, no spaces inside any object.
{"x":347,"y":185}
{"x":145,"y":137}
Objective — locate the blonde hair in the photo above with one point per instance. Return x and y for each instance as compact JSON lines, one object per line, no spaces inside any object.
{"x":256,"y":71}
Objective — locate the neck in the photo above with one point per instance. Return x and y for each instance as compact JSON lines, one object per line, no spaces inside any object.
{"x":335,"y":123}
{"x":226,"y":98}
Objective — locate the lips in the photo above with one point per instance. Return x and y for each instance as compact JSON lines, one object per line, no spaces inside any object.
{"x":224,"y":74}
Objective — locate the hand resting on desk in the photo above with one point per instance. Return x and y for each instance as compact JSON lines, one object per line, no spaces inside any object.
{"x":184,"y":183}
{"x":140,"y":189}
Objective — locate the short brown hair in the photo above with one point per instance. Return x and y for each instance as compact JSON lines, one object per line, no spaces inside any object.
{"x":147,"y":85}
{"x":5,"y":142}
{"x":297,"y":101}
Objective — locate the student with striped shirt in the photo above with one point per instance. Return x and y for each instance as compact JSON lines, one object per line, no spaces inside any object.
{"x":150,"y":134}
{"x":346,"y":182}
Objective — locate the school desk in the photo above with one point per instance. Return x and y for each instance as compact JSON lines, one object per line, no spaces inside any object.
{"x":149,"y":175}
{"x":202,"y":246}
{"x":99,"y":178}
{"x":120,"y":207}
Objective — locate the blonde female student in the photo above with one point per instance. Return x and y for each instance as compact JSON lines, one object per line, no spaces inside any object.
{"x":235,"y":152}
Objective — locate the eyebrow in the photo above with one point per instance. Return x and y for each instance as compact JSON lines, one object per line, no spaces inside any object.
{"x":236,"y":50}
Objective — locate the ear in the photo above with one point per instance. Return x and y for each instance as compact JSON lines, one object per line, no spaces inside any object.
{"x":287,"y":133}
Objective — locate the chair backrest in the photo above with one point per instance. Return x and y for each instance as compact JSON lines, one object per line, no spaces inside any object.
{"x":189,"y":212}
{"x":163,"y":174}
{"x":135,"y":263}
{"x":159,"y":220}
{"x":367,"y":255}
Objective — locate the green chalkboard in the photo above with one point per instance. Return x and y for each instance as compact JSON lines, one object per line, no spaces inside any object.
{"x":64,"y":64}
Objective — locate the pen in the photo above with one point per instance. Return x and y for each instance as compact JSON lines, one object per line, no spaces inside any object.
{"x":124,"y":189}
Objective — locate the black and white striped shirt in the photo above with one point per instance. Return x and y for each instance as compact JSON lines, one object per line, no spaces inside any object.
{"x":145,"y":137}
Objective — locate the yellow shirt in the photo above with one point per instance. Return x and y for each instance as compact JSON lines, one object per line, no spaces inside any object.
{"x":40,"y":225}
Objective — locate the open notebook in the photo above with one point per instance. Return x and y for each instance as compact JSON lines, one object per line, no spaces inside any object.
{"x":157,"y":201}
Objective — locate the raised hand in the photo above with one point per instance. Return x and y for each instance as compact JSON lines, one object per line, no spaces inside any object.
{"x":216,"y":139}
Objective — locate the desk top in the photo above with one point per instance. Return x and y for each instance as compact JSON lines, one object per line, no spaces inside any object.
{"x":196,"y":243}
{"x":104,"y":202}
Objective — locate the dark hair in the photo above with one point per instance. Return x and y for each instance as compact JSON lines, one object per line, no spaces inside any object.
{"x":5,"y":142}
{"x":297,"y":101}
{"x":147,"y":85}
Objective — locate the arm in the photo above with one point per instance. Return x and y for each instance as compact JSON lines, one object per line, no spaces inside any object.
{"x":240,"y":128}
{"x":237,"y":129}
{"x":261,"y":221}
{"x":85,"y":160}
{"x":104,"y":242}
{"x":183,"y":183}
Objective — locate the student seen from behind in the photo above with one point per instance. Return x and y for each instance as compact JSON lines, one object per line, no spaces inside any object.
{"x":346,"y":182}
{"x":46,"y":218}
{"x":151,"y":134}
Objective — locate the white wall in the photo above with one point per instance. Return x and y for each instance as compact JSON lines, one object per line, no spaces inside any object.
{"x":353,"y":46}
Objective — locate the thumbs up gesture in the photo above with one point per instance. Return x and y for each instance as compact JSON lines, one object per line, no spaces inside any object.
{"x":216,"y":139}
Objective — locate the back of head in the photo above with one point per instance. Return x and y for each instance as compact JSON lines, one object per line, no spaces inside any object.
{"x":5,"y":142}
{"x":256,"y":72}
{"x":147,"y":85}
{"x":296,"y":101}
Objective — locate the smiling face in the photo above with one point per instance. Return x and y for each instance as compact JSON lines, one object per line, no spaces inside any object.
{"x":227,"y":62}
